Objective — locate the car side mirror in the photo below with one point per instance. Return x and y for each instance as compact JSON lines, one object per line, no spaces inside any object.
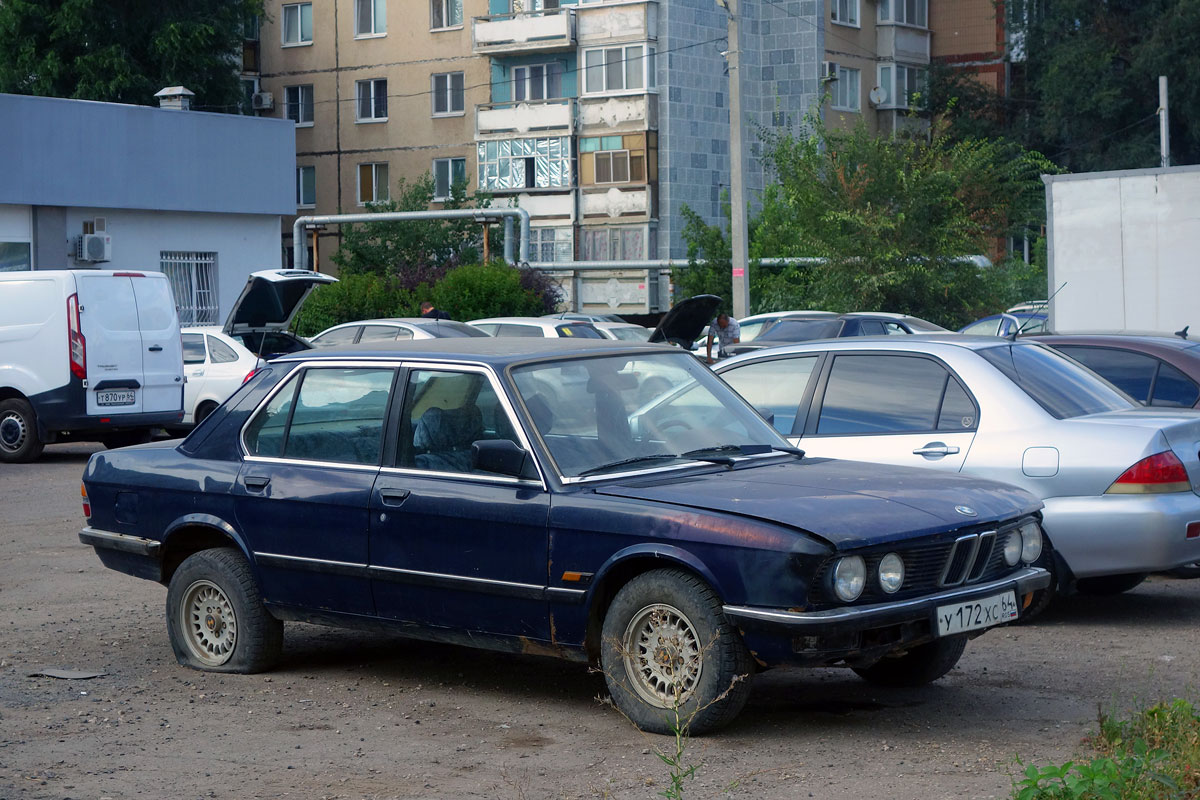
{"x":766,"y":414}
{"x":503,"y":457}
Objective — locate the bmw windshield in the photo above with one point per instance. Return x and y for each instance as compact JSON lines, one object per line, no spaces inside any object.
{"x":643,"y":410}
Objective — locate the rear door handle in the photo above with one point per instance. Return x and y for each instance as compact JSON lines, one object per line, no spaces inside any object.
{"x":935,"y":449}
{"x":156,"y":348}
{"x":393,"y":497}
{"x":257,"y":482}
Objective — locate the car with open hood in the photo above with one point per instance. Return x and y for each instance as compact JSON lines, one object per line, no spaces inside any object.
{"x":679,"y":545}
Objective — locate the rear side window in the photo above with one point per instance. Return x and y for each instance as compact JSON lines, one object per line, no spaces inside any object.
{"x":221,"y":352}
{"x":870,"y":327}
{"x":264,"y":435}
{"x":575,"y":331}
{"x":1173,"y":388}
{"x":776,"y":385}
{"x":381,"y":333}
{"x":193,"y":348}
{"x":519,"y":330}
{"x":893,"y":394}
{"x":801,"y":330}
{"x":336,"y":337}
{"x":1060,"y":386}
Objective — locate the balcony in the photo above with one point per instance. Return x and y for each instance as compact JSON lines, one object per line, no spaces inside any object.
{"x":502,"y":120}
{"x":620,"y":113}
{"x":549,"y":31}
{"x":626,"y":22}
{"x":902,"y":43}
{"x":615,"y":202}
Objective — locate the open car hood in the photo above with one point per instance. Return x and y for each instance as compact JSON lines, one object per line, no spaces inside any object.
{"x":271,"y":299}
{"x":686,"y":319}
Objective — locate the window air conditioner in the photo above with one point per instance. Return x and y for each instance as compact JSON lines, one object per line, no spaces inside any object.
{"x":262,"y":101}
{"x":93,"y":247}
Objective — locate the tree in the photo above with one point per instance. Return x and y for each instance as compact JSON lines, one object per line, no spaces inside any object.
{"x":124,"y":50}
{"x":1084,"y":86}
{"x":888,"y":223}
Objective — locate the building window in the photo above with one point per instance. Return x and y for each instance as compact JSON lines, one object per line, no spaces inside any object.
{"x":519,"y":6}
{"x":525,"y":163}
{"x":448,"y":173}
{"x":550,"y":244}
{"x":370,"y":17}
{"x":445,"y":14}
{"x":901,"y":85}
{"x":372,"y":100}
{"x":612,"y":244}
{"x":306,"y":187}
{"x":297,"y":24}
{"x":613,"y":159}
{"x":905,"y":12}
{"x":844,"y":12}
{"x":447,"y":94}
{"x":618,"y":69}
{"x":846,"y":90}
{"x":537,"y":82}
{"x":193,"y":278}
{"x":298,"y":101}
{"x":16,"y":256}
{"x":373,"y":183}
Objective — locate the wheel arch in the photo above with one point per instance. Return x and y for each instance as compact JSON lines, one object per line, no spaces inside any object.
{"x":192,"y":533}
{"x":623,"y":567}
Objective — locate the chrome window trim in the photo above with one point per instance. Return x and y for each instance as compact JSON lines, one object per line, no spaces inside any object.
{"x":456,"y":578}
{"x":474,"y":477}
{"x":300,"y":462}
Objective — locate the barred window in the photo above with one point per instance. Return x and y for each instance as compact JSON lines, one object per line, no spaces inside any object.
{"x":193,"y":278}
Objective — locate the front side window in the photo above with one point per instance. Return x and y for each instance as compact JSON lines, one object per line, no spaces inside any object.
{"x":445,"y":14}
{"x":1060,"y":386}
{"x":537,"y":82}
{"x":444,"y":413}
{"x":844,"y":11}
{"x":775,"y":385}
{"x":448,"y":173}
{"x":618,"y":69}
{"x":373,"y":183}
{"x":337,"y":416}
{"x":372,"y":100}
{"x":448,"y":94}
{"x":846,"y":90}
{"x":298,"y":101}
{"x":370,"y":17}
{"x":193,"y":278}
{"x":525,"y":163}
{"x":297,"y":24}
{"x":913,"y":403}
{"x":306,"y":187}
{"x":905,"y":12}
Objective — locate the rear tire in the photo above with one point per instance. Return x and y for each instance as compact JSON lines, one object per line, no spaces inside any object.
{"x":216,"y":619}
{"x":920,"y":665}
{"x":19,"y":441}
{"x":670,"y":657}
{"x":1105,"y":585}
{"x":203,"y":411}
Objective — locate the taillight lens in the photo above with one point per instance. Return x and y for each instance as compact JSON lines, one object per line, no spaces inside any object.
{"x":76,"y":346}
{"x":250,"y":374}
{"x":87,"y":506}
{"x":1161,"y":472}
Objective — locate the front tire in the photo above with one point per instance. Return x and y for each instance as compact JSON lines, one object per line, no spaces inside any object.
{"x":215,"y":615}
{"x":920,"y":665}
{"x":19,"y":441}
{"x":671,"y":659}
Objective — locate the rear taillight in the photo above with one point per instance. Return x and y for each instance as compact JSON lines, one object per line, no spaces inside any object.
{"x":87,"y":506}
{"x":76,"y":346}
{"x":1161,"y":472}
{"x":250,"y":374}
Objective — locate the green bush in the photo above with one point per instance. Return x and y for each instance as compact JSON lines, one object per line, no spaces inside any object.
{"x":354,"y":297}
{"x":474,"y":291}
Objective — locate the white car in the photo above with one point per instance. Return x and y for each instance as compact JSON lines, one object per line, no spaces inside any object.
{"x":534,"y":327}
{"x":392,"y":329}
{"x":624,"y":331}
{"x":215,"y":365}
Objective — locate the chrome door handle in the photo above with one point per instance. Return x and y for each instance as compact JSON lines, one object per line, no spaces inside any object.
{"x":935,"y":449}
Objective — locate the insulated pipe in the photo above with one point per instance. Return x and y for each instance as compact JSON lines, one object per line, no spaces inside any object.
{"x":479,"y":214}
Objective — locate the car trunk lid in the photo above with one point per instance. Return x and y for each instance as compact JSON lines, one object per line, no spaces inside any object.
{"x":270,"y":300}
{"x":1161,"y":428}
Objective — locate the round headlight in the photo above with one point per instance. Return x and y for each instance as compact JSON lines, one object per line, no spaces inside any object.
{"x":1012,"y":548}
{"x":1031,"y":542}
{"x":849,"y":578}
{"x":891,"y":573}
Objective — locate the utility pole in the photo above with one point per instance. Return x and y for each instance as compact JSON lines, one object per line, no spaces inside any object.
{"x":737,"y":200}
{"x":1164,"y":121}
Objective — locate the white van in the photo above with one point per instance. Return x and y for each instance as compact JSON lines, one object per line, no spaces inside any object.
{"x":86,"y":355}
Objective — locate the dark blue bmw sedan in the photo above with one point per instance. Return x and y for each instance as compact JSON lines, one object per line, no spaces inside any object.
{"x":599,"y":501}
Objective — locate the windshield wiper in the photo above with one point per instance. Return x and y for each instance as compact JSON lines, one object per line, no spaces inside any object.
{"x":626,"y":461}
{"x":746,"y":449}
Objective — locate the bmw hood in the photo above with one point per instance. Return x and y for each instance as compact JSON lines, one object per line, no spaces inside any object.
{"x":847,"y":503}
{"x":686,"y":319}
{"x":271,"y":298}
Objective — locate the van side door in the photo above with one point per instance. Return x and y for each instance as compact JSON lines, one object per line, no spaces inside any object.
{"x":162,"y":349}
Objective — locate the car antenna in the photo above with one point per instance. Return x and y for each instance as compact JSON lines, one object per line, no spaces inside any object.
{"x":1028,"y":322}
{"x":1183,"y":333}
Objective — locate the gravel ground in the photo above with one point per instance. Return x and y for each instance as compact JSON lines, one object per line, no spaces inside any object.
{"x":353,"y":715}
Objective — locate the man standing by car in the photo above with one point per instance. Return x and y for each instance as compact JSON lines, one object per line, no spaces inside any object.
{"x":429,"y":311}
{"x":727,"y":331}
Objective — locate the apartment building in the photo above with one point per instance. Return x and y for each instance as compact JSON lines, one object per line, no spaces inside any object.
{"x":601,"y":117}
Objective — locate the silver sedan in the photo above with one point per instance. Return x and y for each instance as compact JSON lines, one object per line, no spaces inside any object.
{"x":1121,"y":483}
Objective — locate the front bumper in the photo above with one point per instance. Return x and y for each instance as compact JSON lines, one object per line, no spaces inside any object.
{"x":1113,"y":534}
{"x":847,"y":632}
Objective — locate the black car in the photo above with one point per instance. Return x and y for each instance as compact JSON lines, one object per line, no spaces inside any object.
{"x":680,"y":542}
